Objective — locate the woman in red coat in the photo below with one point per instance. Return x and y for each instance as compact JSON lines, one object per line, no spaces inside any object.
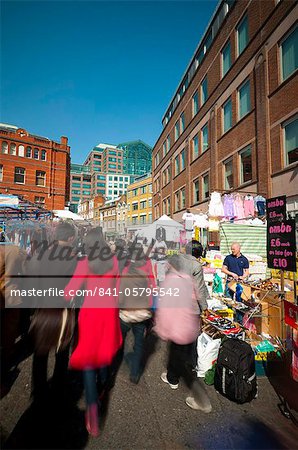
{"x":99,"y":335}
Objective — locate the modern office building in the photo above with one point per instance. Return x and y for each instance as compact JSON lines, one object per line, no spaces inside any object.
{"x":139,"y":203}
{"x":35,"y":167}
{"x":232,"y":124}
{"x":137,"y":157}
{"x":105,"y":173}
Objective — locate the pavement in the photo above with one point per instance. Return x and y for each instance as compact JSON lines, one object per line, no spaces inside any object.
{"x":149,"y":415}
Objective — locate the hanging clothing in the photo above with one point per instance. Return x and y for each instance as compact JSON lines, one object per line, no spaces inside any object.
{"x":213,"y":225}
{"x":249,"y":209}
{"x":216,"y":208}
{"x":189,"y":220}
{"x":229,"y":212}
{"x":260,"y":203}
{"x":239,"y":208}
{"x":201,"y":221}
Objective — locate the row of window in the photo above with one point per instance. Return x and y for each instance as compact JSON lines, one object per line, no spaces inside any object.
{"x":140,"y":190}
{"x":205,"y":45}
{"x":34,"y":153}
{"x":288,"y":63}
{"x":20,"y":176}
{"x":141,"y":205}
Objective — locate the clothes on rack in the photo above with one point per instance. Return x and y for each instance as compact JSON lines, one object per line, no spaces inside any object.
{"x":260,"y":203}
{"x":229,"y":212}
{"x":201,"y":221}
{"x":216,"y":208}
{"x":239,"y":208}
{"x":249,"y":207}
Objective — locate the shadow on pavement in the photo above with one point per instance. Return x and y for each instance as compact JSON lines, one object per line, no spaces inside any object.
{"x":52,"y":422}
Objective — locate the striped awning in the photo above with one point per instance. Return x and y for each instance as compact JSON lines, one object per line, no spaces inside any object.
{"x":252,"y":238}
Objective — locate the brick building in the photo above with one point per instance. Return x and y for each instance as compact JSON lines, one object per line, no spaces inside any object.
{"x":232,"y":124}
{"x":35,"y":167}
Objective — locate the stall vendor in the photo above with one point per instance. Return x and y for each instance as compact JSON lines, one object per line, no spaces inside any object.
{"x":235,"y":266}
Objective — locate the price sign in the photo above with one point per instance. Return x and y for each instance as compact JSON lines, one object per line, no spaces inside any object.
{"x":281,"y":245}
{"x":276,"y":208}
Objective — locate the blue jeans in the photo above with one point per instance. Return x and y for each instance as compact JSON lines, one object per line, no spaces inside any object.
{"x":91,"y":378}
{"x":138,"y":330}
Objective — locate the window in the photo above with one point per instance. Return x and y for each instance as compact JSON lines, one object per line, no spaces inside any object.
{"x":135,"y":192}
{"x":143,"y":189}
{"x":164,"y":178}
{"x":169,"y":206}
{"x":228,"y":174}
{"x":164,"y":207}
{"x":177,"y":201}
{"x":112,"y":166}
{"x":101,"y":177}
{"x":150,"y":202}
{"x":227,"y":115}
{"x":182,"y":123}
{"x":36,"y":153}
{"x":182,"y":198}
{"x":291,"y":140}
{"x":196,"y":191}
{"x":4,"y":147}
{"x":168,"y":143}
{"x":19,"y":175}
{"x":156,"y":159}
{"x":204,"y":91}
{"x":13,"y":149}
{"x":177,"y":130}
{"x":177,"y":165}
{"x":289,"y":54}
{"x":143,"y":204}
{"x":43,"y":156}
{"x":135,"y":206}
{"x":150,"y":188}
{"x":86,"y":186}
{"x":21,"y":151}
{"x":205,"y":139}
{"x":110,"y":159}
{"x":111,"y":152}
{"x":205,"y":186}
{"x":244,"y":99}
{"x":40,"y":179}
{"x":242,"y":35}
{"x":195,"y":103}
{"x":86,"y":192}
{"x":226,"y":59}
{"x":1,"y":172}
{"x":77,"y":185}
{"x":75,"y":191}
{"x":39,"y":200}
{"x":182,"y":155}
{"x":75,"y":199}
{"x":245,"y":165}
{"x":164,"y":148}
{"x":76,"y":178}
{"x":101,"y":184}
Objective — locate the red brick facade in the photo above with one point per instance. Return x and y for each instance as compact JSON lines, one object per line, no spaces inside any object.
{"x":273,"y":101}
{"x":44,"y":177}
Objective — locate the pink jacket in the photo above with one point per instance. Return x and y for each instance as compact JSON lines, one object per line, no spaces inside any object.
{"x":177,"y":317}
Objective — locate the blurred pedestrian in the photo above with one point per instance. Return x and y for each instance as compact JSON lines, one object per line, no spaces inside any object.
{"x":99,"y":336}
{"x":52,"y":324}
{"x":177,"y":321}
{"x":135,"y":302}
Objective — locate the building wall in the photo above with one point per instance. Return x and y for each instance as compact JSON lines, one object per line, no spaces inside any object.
{"x":272,"y":102}
{"x":137,"y":193}
{"x":56,"y":166}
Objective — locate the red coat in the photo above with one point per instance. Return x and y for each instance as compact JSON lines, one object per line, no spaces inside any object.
{"x":99,"y":327}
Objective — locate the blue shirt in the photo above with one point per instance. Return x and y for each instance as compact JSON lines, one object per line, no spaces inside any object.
{"x":236,"y":265}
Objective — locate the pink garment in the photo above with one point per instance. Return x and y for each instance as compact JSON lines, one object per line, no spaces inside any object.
{"x":249,"y":206}
{"x":239,"y":209}
{"x":176,"y":318}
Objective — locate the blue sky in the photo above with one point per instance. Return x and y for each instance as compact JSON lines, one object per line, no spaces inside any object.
{"x":95,"y":71}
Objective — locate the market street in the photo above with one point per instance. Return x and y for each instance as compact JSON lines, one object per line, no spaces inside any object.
{"x":147,"y":415}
